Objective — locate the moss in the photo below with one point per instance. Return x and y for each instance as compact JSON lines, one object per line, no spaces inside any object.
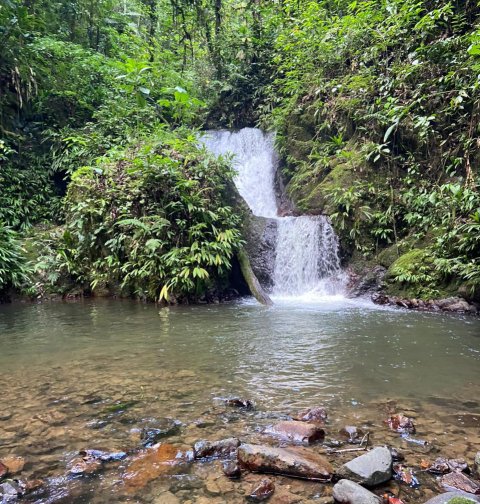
{"x":460,"y":500}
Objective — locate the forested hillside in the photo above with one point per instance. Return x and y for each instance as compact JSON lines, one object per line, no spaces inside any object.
{"x":103,"y":187}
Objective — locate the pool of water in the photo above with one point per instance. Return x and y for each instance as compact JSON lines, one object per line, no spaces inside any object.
{"x":63,"y":365}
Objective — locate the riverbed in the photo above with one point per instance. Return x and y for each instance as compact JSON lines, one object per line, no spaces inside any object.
{"x":91,"y":374}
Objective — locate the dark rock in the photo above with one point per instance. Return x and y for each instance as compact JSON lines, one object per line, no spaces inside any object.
{"x":439,"y":466}
{"x":261,"y":237}
{"x":396,"y":455}
{"x":459,"y":481}
{"x":348,"y":492}
{"x":222,"y":448}
{"x":262,"y":491}
{"x":352,"y":434}
{"x":370,"y":469}
{"x":237,"y":402}
{"x":314,"y":415}
{"x":294,"y":461}
{"x":368,"y":283}
{"x":231,"y":469}
{"x":446,"y":498}
{"x":158,"y":429}
{"x":297,"y":432}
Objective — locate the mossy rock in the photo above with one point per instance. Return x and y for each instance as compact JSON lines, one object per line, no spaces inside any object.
{"x":460,"y":500}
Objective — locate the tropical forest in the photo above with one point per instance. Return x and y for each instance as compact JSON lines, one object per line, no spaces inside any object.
{"x":240,"y":251}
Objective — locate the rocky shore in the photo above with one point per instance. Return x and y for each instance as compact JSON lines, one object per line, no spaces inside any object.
{"x":302,"y":459}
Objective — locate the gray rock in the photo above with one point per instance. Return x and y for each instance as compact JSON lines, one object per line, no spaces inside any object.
{"x":348,"y":492}
{"x":476,"y":464}
{"x":222,"y":448}
{"x":370,"y":469}
{"x":447,"y":497}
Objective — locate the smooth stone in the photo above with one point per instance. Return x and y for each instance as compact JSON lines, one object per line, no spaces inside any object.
{"x":222,"y":448}
{"x":370,"y":469}
{"x":447,"y":497}
{"x":348,"y":492}
{"x":294,"y":461}
{"x":297,"y":432}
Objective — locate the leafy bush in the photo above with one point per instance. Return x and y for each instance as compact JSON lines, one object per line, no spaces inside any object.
{"x":151,"y":221}
{"x":14,"y":268}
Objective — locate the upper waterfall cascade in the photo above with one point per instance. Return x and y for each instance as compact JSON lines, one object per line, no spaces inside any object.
{"x":306,"y":255}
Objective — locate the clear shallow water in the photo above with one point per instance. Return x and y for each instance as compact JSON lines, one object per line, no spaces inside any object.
{"x":72,"y":360}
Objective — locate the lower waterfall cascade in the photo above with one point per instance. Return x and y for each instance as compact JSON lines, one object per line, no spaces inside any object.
{"x":307,"y":262}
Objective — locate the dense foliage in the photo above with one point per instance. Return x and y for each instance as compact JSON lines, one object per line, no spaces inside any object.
{"x":375,"y":104}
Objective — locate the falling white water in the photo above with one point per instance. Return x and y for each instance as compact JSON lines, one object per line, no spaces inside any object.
{"x":307,"y":263}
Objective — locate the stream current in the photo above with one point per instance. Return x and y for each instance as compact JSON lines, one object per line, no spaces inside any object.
{"x":64,"y":365}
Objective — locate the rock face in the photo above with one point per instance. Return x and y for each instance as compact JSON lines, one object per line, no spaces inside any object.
{"x":370,"y":469}
{"x":261,"y":236}
{"x":348,"y":492}
{"x":222,"y":448}
{"x":296,"y":462}
{"x":449,"y":496}
{"x":297,"y":432}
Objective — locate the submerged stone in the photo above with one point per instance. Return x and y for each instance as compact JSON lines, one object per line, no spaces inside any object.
{"x":13,"y":463}
{"x":459,"y":481}
{"x":297,"y":432}
{"x":3,"y":470}
{"x":151,"y":463}
{"x":349,"y":492}
{"x":222,"y":448}
{"x":370,"y":469}
{"x":159,"y":429}
{"x":317,"y":415}
{"x":231,"y":469}
{"x":262,"y":491}
{"x":352,"y":434}
{"x":238,"y":402}
{"x":293,"y":461}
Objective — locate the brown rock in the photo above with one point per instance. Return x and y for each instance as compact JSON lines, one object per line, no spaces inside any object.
{"x":3,"y":470}
{"x":81,"y":466}
{"x":222,"y":448}
{"x":152,"y":463}
{"x":32,"y":485}
{"x":13,"y":463}
{"x":294,"y":461}
{"x":262,"y":491}
{"x":317,"y":415}
{"x":298,"y":432}
{"x":459,"y":481}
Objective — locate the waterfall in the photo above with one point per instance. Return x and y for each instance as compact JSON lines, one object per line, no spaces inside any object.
{"x":307,"y":261}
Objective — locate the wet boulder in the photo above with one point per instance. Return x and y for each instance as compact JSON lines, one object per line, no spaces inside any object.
{"x":293,"y":461}
{"x":451,"y":497}
{"x":315,"y":415}
{"x":459,"y":481}
{"x":297,"y":432}
{"x":222,"y":448}
{"x":262,"y":491}
{"x":370,"y":469}
{"x":349,"y":492}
